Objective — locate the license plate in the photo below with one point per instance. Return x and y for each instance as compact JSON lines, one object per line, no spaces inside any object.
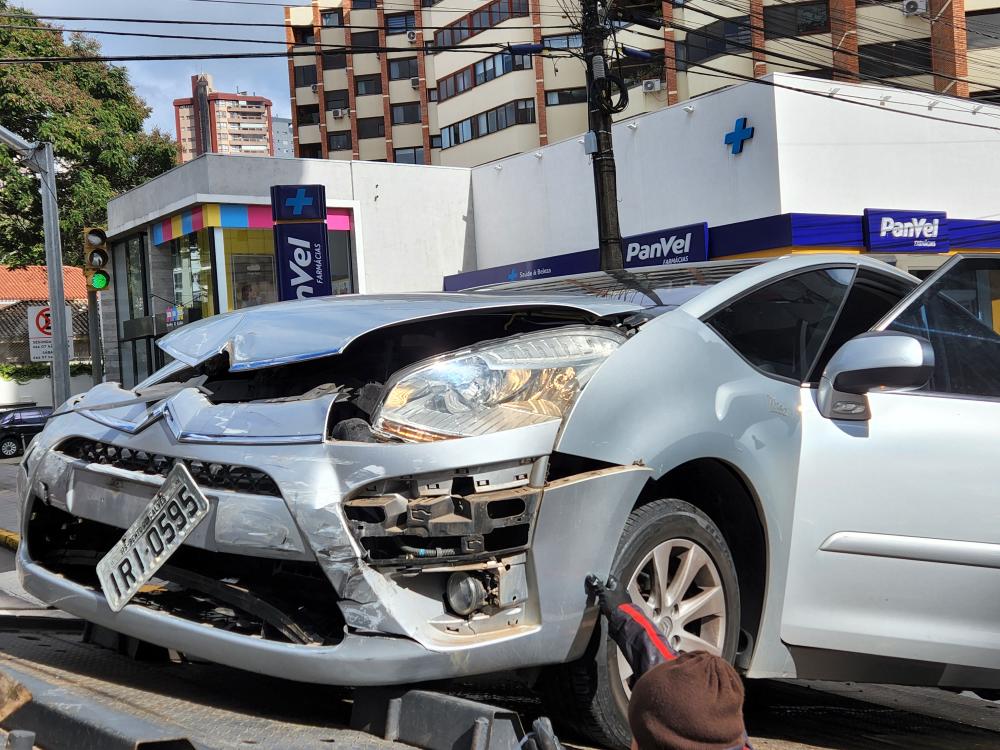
{"x":171,"y":515}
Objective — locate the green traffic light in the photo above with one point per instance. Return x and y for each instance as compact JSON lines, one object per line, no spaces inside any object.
{"x":100,"y":281}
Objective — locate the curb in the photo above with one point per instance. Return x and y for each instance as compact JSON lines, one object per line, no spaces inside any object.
{"x":9,"y":539}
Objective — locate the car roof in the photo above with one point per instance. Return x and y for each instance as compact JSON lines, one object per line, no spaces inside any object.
{"x":697,"y":287}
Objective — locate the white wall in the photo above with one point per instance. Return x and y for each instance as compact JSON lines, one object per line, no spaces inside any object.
{"x":673,"y":169}
{"x":39,"y":390}
{"x":414,"y":224}
{"x":842,"y":154}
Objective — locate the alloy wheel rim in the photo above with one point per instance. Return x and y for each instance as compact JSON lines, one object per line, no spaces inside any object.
{"x":8,"y":449}
{"x":680,"y":588}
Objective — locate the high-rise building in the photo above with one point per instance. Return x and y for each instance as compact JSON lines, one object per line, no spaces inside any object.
{"x":284,"y":145}
{"x":427,"y":102}
{"x":219,"y":123}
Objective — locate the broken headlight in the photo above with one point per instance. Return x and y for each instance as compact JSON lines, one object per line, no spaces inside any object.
{"x":494,"y":386}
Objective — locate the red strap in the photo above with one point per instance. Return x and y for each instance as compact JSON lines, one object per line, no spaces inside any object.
{"x":651,"y":630}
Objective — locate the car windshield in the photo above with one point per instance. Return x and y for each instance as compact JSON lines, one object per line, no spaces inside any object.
{"x":662,"y":286}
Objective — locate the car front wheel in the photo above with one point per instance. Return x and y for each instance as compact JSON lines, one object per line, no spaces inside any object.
{"x":9,"y":447}
{"x":675,"y":563}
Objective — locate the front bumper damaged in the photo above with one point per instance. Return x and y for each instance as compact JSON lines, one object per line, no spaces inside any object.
{"x":345,"y":509}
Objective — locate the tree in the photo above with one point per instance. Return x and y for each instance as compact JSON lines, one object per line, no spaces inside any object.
{"x":92,"y":116}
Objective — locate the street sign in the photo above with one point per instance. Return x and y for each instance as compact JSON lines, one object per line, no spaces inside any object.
{"x":40,"y":332}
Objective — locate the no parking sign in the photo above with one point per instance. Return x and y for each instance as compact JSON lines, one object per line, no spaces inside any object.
{"x":40,"y":331}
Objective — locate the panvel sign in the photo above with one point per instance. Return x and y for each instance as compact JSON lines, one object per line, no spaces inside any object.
{"x":303,"y":260}
{"x":300,"y":241}
{"x":687,"y":244}
{"x":887,"y":230}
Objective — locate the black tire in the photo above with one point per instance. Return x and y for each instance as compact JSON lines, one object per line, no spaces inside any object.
{"x":10,"y":447}
{"x":587,"y":695}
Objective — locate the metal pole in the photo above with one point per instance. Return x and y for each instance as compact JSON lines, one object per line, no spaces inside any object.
{"x":39,"y":158}
{"x":96,"y":350}
{"x":53,"y":260}
{"x":605,"y":180}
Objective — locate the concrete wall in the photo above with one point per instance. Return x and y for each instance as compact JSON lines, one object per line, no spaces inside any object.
{"x":39,"y":390}
{"x":842,"y":154}
{"x":673,"y":169}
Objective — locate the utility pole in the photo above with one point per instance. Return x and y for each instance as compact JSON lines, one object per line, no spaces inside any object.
{"x":39,"y":158}
{"x":605,"y":180}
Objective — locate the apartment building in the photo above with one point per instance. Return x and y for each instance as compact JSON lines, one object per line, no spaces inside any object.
{"x":424,"y":101}
{"x":215,"y":122}
{"x":284,"y":146}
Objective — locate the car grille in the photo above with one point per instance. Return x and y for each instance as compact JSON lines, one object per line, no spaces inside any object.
{"x":207,"y":475}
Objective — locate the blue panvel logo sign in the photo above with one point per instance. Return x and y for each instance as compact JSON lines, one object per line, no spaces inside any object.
{"x":303,"y":260}
{"x":899,"y":231}
{"x":687,"y":244}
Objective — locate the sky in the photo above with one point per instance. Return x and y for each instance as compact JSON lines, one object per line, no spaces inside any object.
{"x":160,"y":82}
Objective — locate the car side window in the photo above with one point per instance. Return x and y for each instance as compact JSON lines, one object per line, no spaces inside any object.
{"x":781,"y":328}
{"x":871,"y":297}
{"x":959,"y":314}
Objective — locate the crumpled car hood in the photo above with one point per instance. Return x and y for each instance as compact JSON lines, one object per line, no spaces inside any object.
{"x":285,"y":332}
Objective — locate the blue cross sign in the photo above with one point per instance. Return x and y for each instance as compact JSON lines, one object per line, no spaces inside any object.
{"x":299,"y":201}
{"x":740,"y":134}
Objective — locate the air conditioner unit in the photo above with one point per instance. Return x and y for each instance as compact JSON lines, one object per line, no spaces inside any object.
{"x":315,"y":87}
{"x":914,"y":7}
{"x":652,"y":84}
{"x":411,"y":36}
{"x":338,"y":114}
{"x":414,"y":83}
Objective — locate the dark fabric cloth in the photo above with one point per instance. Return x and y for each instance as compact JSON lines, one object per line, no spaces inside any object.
{"x":692,"y":702}
{"x":640,"y":640}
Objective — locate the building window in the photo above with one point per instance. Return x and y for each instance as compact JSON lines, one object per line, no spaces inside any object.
{"x":634,"y":72}
{"x":334,"y":60}
{"x":371,"y":127}
{"x":332,"y":17}
{"x":305,"y":75}
{"x":566,"y":96}
{"x":400,"y":23}
{"x":363,"y":5}
{"x":193,"y":281}
{"x":310,"y":151}
{"x":368,"y":40}
{"x":409,"y":155}
{"x":336,"y":99}
{"x":991,"y":96}
{"x":481,"y":72}
{"x":983,"y":29}
{"x":895,"y":59}
{"x":406,"y":114}
{"x":402,"y":69}
{"x":520,"y":112}
{"x":307,"y":114}
{"x":484,"y":18}
{"x":432,"y":95}
{"x":562,"y":41}
{"x":304,"y":35}
{"x":731,"y":36}
{"x":339,"y":140}
{"x":371,"y":84}
{"x":436,"y":141}
{"x":798,"y":19}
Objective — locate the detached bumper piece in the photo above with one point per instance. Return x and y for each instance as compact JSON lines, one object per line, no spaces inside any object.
{"x":403,"y":528}
{"x":289,"y":602}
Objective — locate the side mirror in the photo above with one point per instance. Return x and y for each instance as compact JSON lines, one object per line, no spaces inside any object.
{"x":880,"y":360}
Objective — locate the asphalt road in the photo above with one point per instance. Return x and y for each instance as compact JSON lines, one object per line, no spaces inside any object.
{"x":779,"y":715}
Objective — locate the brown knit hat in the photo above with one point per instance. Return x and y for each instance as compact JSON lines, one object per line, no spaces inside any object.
{"x":694,"y":702}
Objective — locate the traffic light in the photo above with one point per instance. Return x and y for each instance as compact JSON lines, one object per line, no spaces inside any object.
{"x":96,"y":259}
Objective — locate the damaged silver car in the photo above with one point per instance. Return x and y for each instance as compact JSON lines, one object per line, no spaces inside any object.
{"x":372,"y":490}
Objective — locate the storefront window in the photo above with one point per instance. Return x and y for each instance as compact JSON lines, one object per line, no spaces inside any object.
{"x":340,"y":262}
{"x":194,"y":287}
{"x":250,"y":272}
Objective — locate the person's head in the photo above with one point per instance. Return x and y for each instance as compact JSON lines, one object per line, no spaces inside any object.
{"x":693,"y":702}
